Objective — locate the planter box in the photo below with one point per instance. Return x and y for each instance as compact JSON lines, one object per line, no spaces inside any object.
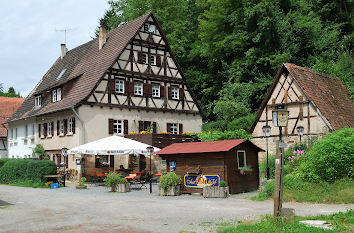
{"x":245,"y":173}
{"x":81,"y":187}
{"x":171,"y":191}
{"x":123,"y":188}
{"x":215,"y":191}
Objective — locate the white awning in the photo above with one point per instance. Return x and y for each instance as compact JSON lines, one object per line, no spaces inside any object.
{"x":113,"y":145}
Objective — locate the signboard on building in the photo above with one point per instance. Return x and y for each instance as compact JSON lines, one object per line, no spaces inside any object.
{"x":200,"y":181}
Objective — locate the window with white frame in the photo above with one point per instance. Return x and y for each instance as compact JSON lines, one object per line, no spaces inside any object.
{"x":153,"y":60}
{"x":119,"y":86}
{"x":174,"y":128}
{"x":50,"y":129}
{"x":70,"y":126}
{"x":42,"y":130}
{"x":56,"y":95}
{"x":175,"y":93}
{"x":37,"y":101}
{"x":138,"y":89}
{"x":61,"y":127}
{"x":241,"y":158}
{"x":15,"y":133}
{"x":118,"y":126}
{"x":144,"y":57}
{"x":11,"y":133}
{"x":32,"y":129}
{"x":155,"y":90}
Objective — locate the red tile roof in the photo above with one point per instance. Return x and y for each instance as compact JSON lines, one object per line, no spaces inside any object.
{"x":84,"y":66}
{"x":203,"y":147}
{"x":7,"y":107}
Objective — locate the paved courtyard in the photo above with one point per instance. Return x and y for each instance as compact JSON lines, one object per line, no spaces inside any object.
{"x":97,"y":210}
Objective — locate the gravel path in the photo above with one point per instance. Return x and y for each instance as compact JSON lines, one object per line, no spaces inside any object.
{"x":97,"y":210}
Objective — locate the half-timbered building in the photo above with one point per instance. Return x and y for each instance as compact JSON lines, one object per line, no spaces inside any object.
{"x":126,"y":80}
{"x":318,"y":102}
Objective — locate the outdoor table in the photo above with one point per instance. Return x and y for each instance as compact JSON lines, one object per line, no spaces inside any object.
{"x":61,"y":176}
{"x":102,"y":175}
{"x":139,"y":173}
{"x":157,"y":174}
{"x":130,"y":178}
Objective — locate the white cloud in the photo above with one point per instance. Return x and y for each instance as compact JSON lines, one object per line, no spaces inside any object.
{"x":29,"y":43}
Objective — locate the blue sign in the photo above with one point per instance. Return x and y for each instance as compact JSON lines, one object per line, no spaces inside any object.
{"x":200,"y":181}
{"x":172,"y":166}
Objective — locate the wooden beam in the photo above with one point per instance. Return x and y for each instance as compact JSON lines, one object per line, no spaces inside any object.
{"x":287,"y":104}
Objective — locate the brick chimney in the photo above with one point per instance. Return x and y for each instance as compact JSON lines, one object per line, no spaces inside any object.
{"x":62,"y":50}
{"x":102,"y":37}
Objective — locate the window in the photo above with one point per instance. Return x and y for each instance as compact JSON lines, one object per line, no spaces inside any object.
{"x":15,"y":133}
{"x":56,"y":95}
{"x":37,"y":101}
{"x":144,"y":58}
{"x":70,"y":126}
{"x":153,"y":60}
{"x":119,"y":86}
{"x":61,"y":127}
{"x":241,"y":158}
{"x":175,"y":93}
{"x":32,"y":131}
{"x":11,"y":133}
{"x":118,"y":127}
{"x":42,"y":130}
{"x":26,"y":130}
{"x":155,"y":90}
{"x":146,"y":27}
{"x":174,"y":128}
{"x":50,"y":129}
{"x":138,"y":89}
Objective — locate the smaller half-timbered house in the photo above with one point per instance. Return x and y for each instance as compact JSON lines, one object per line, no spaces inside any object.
{"x":318,"y":102}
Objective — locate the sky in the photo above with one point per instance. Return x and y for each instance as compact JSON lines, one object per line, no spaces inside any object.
{"x":29,"y":42}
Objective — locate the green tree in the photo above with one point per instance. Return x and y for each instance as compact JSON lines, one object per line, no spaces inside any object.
{"x":40,"y":152}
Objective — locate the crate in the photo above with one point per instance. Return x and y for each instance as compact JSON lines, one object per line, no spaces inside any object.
{"x":54,"y":185}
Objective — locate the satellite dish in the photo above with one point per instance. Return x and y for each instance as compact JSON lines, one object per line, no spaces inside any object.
{"x":151,"y":28}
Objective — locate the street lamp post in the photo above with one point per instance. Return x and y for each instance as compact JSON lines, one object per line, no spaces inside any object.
{"x":280,"y":119}
{"x":300,"y":131}
{"x":266,"y":133}
{"x":150,"y":149}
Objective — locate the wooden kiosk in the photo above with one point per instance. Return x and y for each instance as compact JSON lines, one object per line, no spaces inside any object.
{"x":207,"y":163}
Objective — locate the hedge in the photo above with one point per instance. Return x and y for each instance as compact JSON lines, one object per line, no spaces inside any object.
{"x":16,"y":170}
{"x":3,"y":161}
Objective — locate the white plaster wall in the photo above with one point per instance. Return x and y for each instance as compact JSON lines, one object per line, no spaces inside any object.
{"x":22,"y":145}
{"x":96,"y":120}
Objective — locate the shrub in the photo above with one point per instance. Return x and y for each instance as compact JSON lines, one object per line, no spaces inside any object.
{"x":82,"y":181}
{"x":330,"y":158}
{"x":40,"y":152}
{"x":113,"y":179}
{"x":226,"y":135}
{"x":171,"y":179}
{"x":222,"y":183}
{"x":26,"y":169}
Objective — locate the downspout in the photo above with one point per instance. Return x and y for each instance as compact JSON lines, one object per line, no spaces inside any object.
{"x":82,"y":126}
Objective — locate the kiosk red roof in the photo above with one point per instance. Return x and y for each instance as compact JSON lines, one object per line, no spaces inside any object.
{"x":203,"y":147}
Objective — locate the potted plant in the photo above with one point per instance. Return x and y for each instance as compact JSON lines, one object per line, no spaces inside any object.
{"x":117,"y":182}
{"x":170,"y":185}
{"x":81,"y":184}
{"x":221,"y":191}
{"x":245,"y":170}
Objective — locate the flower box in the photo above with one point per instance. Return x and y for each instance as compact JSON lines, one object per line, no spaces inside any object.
{"x":123,"y":188}
{"x":193,"y":171}
{"x":171,"y":191}
{"x":215,"y":192}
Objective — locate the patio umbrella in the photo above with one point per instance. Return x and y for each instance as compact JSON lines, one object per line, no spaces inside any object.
{"x":113,"y":145}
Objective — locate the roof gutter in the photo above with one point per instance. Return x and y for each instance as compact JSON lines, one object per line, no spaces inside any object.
{"x":82,"y":125}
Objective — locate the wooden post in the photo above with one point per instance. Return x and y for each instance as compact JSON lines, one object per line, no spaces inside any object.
{"x":278,"y":182}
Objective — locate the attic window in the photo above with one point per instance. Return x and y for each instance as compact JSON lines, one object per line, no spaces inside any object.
{"x":56,"y":95}
{"x":146,"y":27}
{"x":37,"y":101}
{"x":61,"y":74}
{"x":150,"y":28}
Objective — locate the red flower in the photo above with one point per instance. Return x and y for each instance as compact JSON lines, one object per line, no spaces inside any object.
{"x":198,"y":165}
{"x":187,"y":165}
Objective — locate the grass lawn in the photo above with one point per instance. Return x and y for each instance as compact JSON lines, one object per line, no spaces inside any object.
{"x":341,"y":222}
{"x":341,"y":191}
{"x":29,"y":183}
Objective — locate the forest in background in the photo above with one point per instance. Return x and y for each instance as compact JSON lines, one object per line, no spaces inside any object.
{"x":230,"y":50}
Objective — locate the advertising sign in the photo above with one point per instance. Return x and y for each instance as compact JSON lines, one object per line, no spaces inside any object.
{"x":172,"y":166}
{"x":200,"y":181}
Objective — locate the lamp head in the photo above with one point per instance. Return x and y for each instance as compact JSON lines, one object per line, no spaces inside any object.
{"x":266,"y":130}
